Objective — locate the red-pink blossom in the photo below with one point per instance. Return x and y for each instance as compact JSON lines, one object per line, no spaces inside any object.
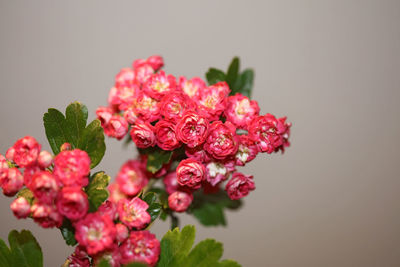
{"x":108,"y":208}
{"x":20,"y":207}
{"x":179,"y":201}
{"x":122,"y":232}
{"x":174,"y":105}
{"x":46,"y":215}
{"x":192,"y":129}
{"x":112,"y":256}
{"x":72,"y":167}
{"x":26,"y":151}
{"x":122,"y":97}
{"x":10,"y":153}
{"x":222,"y":140}
{"x":3,"y":168}
{"x":212,"y":100}
{"x":190,"y":173}
{"x":142,"y":134}
{"x":130,"y":115}
{"x":141,"y":246}
{"x":197,"y":153}
{"x":95,"y":232}
{"x":192,"y":87}
{"x":12,"y":182}
{"x":45,"y":159}
{"x":115,"y":193}
{"x":240,"y":110}
{"x":79,"y":258}
{"x":166,"y":136}
{"x":217,"y":172}
{"x":131,"y":178}
{"x":44,"y":187}
{"x":116,"y":127}
{"x":73,"y":203}
{"x":142,"y":73}
{"x":269,"y":134}
{"x":147,"y":108}
{"x":156,"y":62}
{"x":159,"y":84}
{"x":104,"y":114}
{"x":239,"y":185}
{"x":29,"y":172}
{"x":247,"y":150}
{"x":171,"y":182}
{"x":125,"y":78}
{"x":133,"y":213}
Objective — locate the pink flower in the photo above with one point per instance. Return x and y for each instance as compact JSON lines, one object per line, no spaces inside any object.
{"x":95,"y":232}
{"x":44,"y":187}
{"x":269,"y":134}
{"x":79,"y":258}
{"x":171,"y":182}
{"x":147,"y":108}
{"x":197,"y":153}
{"x":73,"y":203}
{"x":192,"y":87}
{"x":240,"y":110}
{"x":133,"y":213}
{"x":21,"y":208}
{"x":112,"y":256}
{"x":131,"y":178}
{"x":46,"y":215}
{"x":222,"y":140}
{"x":125,"y":78}
{"x":115,"y":193}
{"x":179,"y":201}
{"x":217,"y":172}
{"x":142,"y":134}
{"x":122,"y":232}
{"x":239,"y":185}
{"x":285,"y":133}
{"x":122,"y":97}
{"x":247,"y":150}
{"x":141,"y":246}
{"x":72,"y":167}
{"x":165,"y":135}
{"x":130,"y":115}
{"x":159,"y":84}
{"x":143,"y":73}
{"x":212,"y":100}
{"x":174,"y":104}
{"x":26,"y":151}
{"x":12,"y":182}
{"x":45,"y":159}
{"x":190,"y":173}
{"x":116,"y":127}
{"x":10,"y":154}
{"x":156,"y":62}
{"x":192,"y":129}
{"x":104,"y":114}
{"x":29,"y":172}
{"x":3,"y":168}
{"x":108,"y":208}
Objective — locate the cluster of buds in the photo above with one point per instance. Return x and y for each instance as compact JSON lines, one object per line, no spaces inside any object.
{"x":209,"y":131}
{"x":52,"y":189}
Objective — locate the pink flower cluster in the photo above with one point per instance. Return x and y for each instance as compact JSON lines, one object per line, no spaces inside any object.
{"x":217,"y":132}
{"x":56,"y":191}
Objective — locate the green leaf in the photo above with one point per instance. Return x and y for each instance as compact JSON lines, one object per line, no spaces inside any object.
{"x":72,"y":129}
{"x":27,"y":194}
{"x":209,"y":208}
{"x":233,"y":72}
{"x":68,"y":232}
{"x":175,"y":246}
{"x":136,"y":264}
{"x":92,"y":142}
{"x":97,"y":190}
{"x":104,"y":263}
{"x":229,"y":263}
{"x":205,"y":254}
{"x":25,"y":251}
{"x":215,"y":75}
{"x":244,"y":83}
{"x":156,"y":158}
{"x":155,"y":206}
{"x":5,"y":255}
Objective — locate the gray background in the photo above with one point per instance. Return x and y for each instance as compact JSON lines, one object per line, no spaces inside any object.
{"x":331,"y":66}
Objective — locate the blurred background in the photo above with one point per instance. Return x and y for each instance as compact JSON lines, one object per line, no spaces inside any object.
{"x":333,"y":67}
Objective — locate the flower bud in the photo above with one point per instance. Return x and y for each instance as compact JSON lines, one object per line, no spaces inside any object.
{"x":12,"y":182}
{"x":45,"y":159}
{"x":179,"y":201}
{"x":21,"y":208}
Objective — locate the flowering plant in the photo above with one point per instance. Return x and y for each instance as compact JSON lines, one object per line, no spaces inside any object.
{"x":189,"y":135}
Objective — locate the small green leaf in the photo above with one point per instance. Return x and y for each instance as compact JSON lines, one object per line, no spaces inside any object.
{"x":97,"y":190}
{"x":175,"y":246}
{"x":25,"y":251}
{"x":5,"y":255}
{"x":27,"y":194}
{"x":205,"y":254}
{"x":155,"y":206}
{"x":210,"y":215}
{"x":92,"y":142}
{"x":244,"y":83}
{"x":229,"y":263}
{"x":68,"y":232}
{"x":104,"y":263}
{"x":233,"y":72}
{"x":156,"y":158}
{"x":72,"y":129}
{"x":215,"y":75}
